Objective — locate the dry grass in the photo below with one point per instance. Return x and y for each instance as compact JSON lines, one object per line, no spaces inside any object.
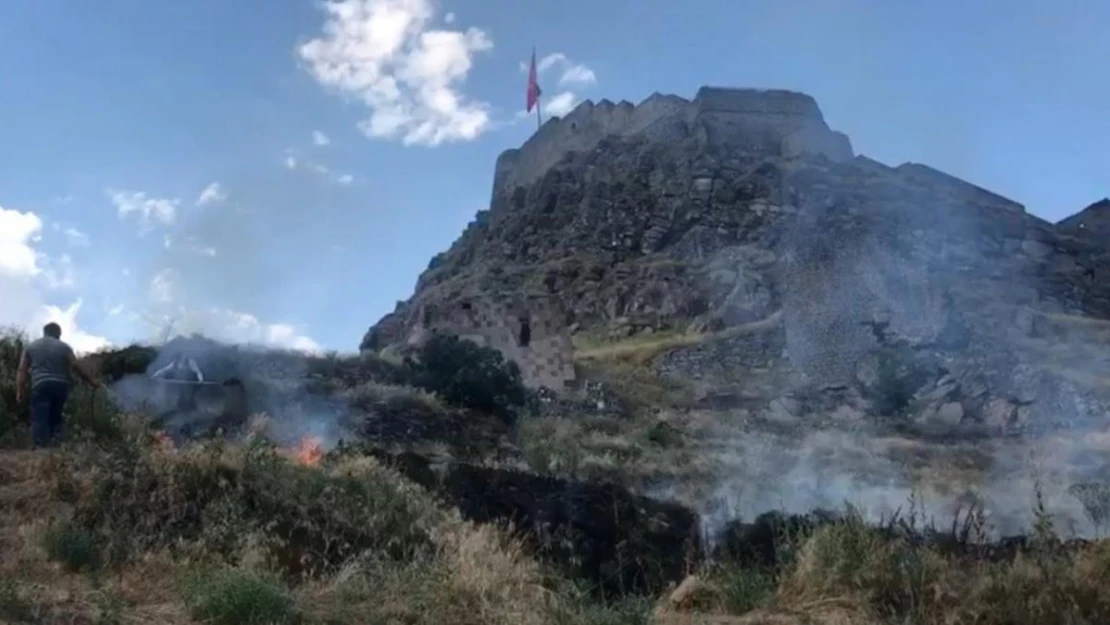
{"x":115,"y":530}
{"x":369,"y":393}
{"x":635,"y":452}
{"x":851,"y":574}
{"x":641,"y":349}
{"x":847,"y":573}
{"x":468,"y":574}
{"x":625,"y":365}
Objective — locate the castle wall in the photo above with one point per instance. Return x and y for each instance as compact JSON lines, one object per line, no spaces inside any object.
{"x":548,"y":358}
{"x":776,"y":122}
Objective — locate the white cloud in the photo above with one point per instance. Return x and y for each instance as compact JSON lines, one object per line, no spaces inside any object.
{"x":546,"y":62}
{"x":18,"y":233}
{"x":578,"y":75}
{"x":212,"y":194}
{"x":285,"y":335}
{"x":201,"y":249}
{"x":167,"y":311}
{"x":571,"y":72}
{"x":82,"y":342}
{"x":231,"y":326}
{"x":25,"y":273}
{"x":383,"y":53}
{"x":149,"y":209}
{"x":320,"y":138}
{"x":75,"y":237}
{"x":239,"y":327}
{"x":57,"y":273}
{"x":163,"y":286}
{"x":561,"y":104}
{"x":323,"y":170}
{"x":189,"y":243}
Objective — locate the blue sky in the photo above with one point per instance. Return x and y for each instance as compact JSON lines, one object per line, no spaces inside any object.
{"x":340,"y":169}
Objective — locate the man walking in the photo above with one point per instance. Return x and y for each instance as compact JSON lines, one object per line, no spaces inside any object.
{"x":50,"y":363}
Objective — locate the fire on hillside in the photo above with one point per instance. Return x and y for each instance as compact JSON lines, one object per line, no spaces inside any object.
{"x":308,"y":451}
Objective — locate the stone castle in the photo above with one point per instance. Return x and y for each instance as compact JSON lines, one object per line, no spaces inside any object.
{"x":777,"y":122}
{"x":781,"y":122}
{"x":728,"y":208}
{"x":527,"y":330}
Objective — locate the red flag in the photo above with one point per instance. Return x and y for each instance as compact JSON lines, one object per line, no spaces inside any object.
{"x":533,"y":86}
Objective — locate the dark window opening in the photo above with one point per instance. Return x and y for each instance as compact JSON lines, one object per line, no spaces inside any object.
{"x":525,"y":333}
{"x":466,"y":305}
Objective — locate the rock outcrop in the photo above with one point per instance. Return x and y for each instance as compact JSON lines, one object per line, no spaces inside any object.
{"x":825,"y":284}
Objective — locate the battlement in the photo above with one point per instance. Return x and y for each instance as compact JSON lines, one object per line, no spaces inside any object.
{"x":775,"y":121}
{"x":758,"y":102}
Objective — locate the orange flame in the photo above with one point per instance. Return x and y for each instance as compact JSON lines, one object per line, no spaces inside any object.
{"x":309,"y":451}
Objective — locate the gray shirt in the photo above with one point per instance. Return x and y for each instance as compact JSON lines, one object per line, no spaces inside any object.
{"x":49,"y":359}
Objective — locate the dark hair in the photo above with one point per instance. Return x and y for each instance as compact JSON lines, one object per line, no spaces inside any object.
{"x":52,"y":329}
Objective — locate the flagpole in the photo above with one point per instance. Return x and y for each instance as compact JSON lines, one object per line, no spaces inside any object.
{"x":539,"y":120}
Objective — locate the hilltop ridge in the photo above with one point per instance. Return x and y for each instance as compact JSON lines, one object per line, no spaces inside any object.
{"x":704,"y":219}
{"x":775,"y":120}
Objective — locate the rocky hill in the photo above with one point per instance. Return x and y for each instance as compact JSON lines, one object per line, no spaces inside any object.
{"x":796,"y":279}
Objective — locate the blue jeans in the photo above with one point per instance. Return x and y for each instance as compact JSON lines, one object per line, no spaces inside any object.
{"x":47,"y":423}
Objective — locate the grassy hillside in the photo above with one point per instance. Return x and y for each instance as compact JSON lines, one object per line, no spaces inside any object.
{"x":120,"y":527}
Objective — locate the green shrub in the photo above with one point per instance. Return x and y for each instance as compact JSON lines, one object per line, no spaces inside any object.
{"x":75,"y":547}
{"x":579,"y":606}
{"x":115,"y":364}
{"x":744,"y":588}
{"x":899,"y":378}
{"x":229,"y":596}
{"x":15,"y":607}
{"x":91,"y":415}
{"x":12,"y":415}
{"x":468,"y":375}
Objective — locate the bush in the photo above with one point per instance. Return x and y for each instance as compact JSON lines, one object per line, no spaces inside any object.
{"x":229,"y":596}
{"x":91,"y":415}
{"x":15,"y":607}
{"x":12,"y":418}
{"x":899,"y":378}
{"x":468,"y":375}
{"x":114,"y":364}
{"x":75,"y":547}
{"x":744,"y":589}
